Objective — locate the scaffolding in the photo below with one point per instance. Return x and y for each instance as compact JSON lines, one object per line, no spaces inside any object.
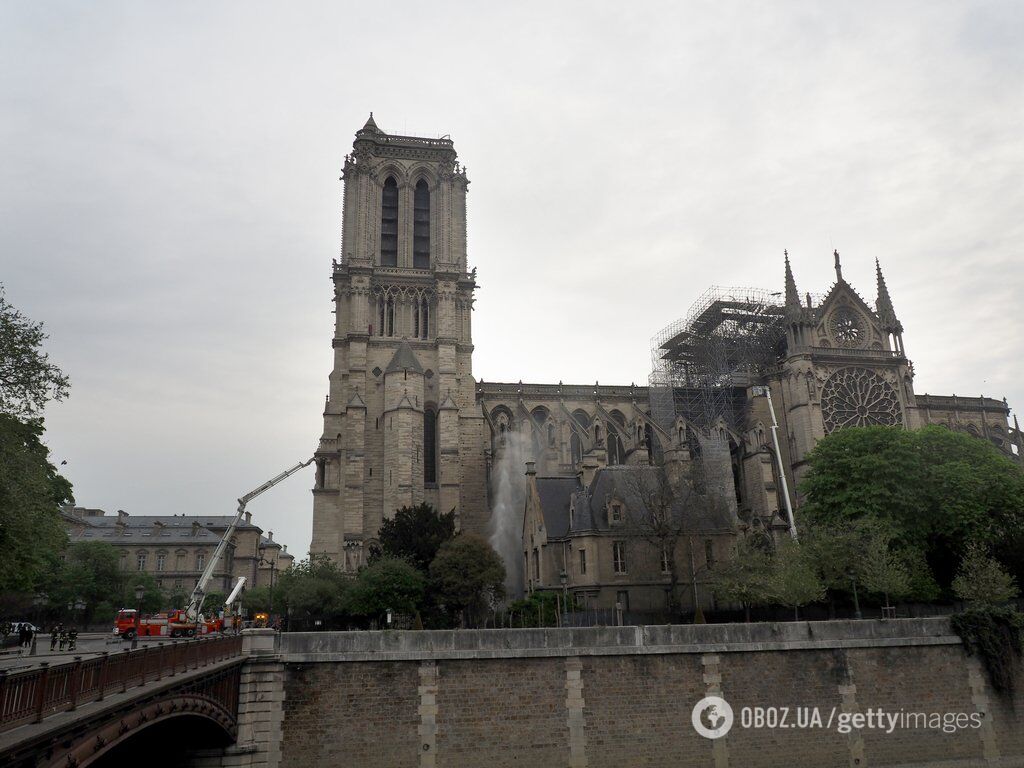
{"x":702,"y":363}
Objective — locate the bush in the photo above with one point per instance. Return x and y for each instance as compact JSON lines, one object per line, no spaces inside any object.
{"x":996,"y":635}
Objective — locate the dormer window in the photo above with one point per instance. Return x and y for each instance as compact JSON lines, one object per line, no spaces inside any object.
{"x":616,"y":513}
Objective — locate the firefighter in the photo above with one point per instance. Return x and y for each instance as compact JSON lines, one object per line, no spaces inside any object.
{"x":72,"y":638}
{"x":63,"y":639}
{"x":54,"y":636}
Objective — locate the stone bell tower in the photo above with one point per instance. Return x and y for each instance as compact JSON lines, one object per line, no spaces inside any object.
{"x":400,"y":427}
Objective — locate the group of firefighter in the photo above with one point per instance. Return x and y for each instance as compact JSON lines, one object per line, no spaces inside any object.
{"x":63,"y":638}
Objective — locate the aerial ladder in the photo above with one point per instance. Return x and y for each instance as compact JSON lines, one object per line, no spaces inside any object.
{"x":193,"y":609}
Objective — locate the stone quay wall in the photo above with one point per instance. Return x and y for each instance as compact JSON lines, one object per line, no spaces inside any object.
{"x":624,"y":696}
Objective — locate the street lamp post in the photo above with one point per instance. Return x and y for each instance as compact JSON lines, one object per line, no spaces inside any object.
{"x":140,"y":592}
{"x":273,"y":569}
{"x":38,"y":602}
{"x":856,"y":601}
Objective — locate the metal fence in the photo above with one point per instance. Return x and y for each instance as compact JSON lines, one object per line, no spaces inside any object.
{"x":31,"y":695}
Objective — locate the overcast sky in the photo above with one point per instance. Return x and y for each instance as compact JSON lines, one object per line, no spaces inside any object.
{"x":170,"y":202}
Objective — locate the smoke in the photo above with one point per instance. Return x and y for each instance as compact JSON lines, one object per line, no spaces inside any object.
{"x":506,"y":528}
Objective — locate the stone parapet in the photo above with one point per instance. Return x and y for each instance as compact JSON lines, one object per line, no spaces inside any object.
{"x":603,"y":641}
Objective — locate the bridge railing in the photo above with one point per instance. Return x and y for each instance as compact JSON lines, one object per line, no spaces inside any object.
{"x":31,"y":695}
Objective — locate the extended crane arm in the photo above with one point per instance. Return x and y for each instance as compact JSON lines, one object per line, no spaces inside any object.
{"x":195,"y":602}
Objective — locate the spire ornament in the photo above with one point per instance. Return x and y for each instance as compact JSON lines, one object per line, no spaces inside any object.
{"x":883,"y":304}
{"x":839,"y":267}
{"x":792,"y":295}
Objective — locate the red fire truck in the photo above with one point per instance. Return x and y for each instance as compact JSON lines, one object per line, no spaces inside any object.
{"x":173,"y":623}
{"x":190,"y":621}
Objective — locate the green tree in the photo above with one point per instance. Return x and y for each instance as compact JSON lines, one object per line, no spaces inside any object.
{"x":90,"y":573}
{"x":416,"y":534}
{"x":314,"y":589}
{"x":257,"y":600}
{"x":467,"y":577}
{"x":31,"y":490}
{"x":884,"y":572}
{"x":982,"y":581}
{"x":792,"y":580}
{"x":931,"y":489}
{"x":153,"y":599}
{"x":32,"y":536}
{"x":743,"y":579}
{"x":28,"y":380}
{"x":388,"y":583}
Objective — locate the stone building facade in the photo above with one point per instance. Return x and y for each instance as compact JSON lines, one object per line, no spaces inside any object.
{"x":405,"y":421}
{"x":175,"y":549}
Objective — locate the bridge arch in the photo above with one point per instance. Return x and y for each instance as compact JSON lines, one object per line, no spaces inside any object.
{"x":163,"y":732}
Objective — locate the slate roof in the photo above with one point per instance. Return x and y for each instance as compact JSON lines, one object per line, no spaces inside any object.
{"x":174,"y":528}
{"x":557,"y":495}
{"x":404,"y":359}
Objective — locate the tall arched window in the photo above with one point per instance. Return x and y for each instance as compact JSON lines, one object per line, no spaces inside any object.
{"x":389,"y":224}
{"x":430,"y":446}
{"x":387,"y":316}
{"x":576,"y":449}
{"x":616,"y":451}
{"x":420,"y":318}
{"x":421,"y":226}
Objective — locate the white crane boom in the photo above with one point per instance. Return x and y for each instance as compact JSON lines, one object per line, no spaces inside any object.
{"x":195,"y":601}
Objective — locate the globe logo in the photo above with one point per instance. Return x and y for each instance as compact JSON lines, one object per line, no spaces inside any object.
{"x":712,"y":717}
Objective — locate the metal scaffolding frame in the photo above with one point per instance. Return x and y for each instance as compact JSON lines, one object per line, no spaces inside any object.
{"x":701,"y":363}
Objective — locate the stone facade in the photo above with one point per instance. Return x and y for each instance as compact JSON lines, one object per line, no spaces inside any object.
{"x":175,"y":549}
{"x":621,"y":696}
{"x":405,"y":421}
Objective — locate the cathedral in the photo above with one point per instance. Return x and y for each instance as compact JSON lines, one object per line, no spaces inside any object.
{"x":406,"y":422}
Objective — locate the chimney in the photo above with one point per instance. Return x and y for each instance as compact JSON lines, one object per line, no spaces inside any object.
{"x":195,"y":527}
{"x":270,"y":535}
{"x":284,"y":548}
{"x":589,"y":466}
{"x":248,"y":518}
{"x":122,"y":517}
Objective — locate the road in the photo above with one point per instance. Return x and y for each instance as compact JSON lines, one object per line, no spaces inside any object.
{"x":88,"y":645}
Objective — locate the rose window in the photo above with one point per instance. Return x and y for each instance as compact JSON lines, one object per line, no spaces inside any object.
{"x":857,"y":397}
{"x":847,"y":328}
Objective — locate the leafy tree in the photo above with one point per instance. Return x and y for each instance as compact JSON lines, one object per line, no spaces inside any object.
{"x":931,"y":489}
{"x":792,"y":580}
{"x":982,"y":581}
{"x":153,"y":599}
{"x":91,"y":573}
{"x":315,"y":588}
{"x":744,"y":578}
{"x":389,"y":583}
{"x":32,"y":536}
{"x":416,"y":534}
{"x":27,"y":377}
{"x":31,"y":490}
{"x":257,"y":600}
{"x":467,"y":576}
{"x":884,"y":571}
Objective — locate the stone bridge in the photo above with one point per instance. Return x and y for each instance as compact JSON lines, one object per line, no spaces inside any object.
{"x":95,"y":711}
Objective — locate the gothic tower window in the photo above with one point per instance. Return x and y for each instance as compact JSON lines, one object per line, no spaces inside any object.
{"x":386,"y":308}
{"x":421,"y":318}
{"x":389,"y":224}
{"x":421,"y":226}
{"x":429,"y":446}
